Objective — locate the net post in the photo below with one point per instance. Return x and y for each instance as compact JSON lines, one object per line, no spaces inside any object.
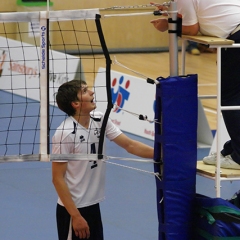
{"x":173,"y":38}
{"x":44,"y":86}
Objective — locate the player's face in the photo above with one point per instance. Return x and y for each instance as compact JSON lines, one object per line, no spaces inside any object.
{"x":86,"y":99}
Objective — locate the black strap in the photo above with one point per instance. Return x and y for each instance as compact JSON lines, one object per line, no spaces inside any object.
{"x":108,"y":85}
{"x":226,"y":217}
{"x":178,"y":31}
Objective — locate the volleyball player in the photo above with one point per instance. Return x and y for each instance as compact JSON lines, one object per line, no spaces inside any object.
{"x":80,"y":184}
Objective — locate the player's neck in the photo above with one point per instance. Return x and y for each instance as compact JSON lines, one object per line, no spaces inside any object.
{"x":82,"y":119}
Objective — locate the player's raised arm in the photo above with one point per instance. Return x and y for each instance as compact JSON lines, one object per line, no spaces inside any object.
{"x":134,"y":147}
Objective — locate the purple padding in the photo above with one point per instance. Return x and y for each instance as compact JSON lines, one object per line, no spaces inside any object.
{"x":176,"y":151}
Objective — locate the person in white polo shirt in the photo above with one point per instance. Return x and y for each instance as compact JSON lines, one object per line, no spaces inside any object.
{"x":80,"y":183}
{"x":219,"y":18}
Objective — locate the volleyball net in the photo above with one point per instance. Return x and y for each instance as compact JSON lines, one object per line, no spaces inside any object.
{"x":35,"y":59}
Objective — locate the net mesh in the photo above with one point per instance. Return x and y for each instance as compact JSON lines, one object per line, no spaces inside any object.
{"x":75,"y":52}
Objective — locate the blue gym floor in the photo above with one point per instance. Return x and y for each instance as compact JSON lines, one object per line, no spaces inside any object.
{"x":28,"y":200}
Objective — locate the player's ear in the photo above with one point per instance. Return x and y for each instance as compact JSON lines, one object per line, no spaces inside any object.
{"x":75,"y":104}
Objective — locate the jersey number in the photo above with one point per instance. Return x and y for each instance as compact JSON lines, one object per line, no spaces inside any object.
{"x":93,"y":150}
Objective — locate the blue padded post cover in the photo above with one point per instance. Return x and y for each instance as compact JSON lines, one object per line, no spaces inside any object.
{"x":175,"y":149}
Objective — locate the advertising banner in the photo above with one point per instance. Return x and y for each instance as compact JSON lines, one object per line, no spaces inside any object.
{"x":133,"y":97}
{"x":20,"y":64}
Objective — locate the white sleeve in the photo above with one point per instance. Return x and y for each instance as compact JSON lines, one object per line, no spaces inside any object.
{"x":112,"y":131}
{"x":188,"y":10}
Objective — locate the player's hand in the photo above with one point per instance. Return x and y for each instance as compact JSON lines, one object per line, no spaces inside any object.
{"x":161,"y":24}
{"x":80,"y":227}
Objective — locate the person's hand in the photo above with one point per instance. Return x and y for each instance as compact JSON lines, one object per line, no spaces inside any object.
{"x":159,"y":6}
{"x":80,"y":227}
{"x":161,"y":24}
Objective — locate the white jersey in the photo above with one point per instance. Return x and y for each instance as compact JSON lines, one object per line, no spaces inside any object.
{"x":85,"y":179}
{"x":215,"y":17}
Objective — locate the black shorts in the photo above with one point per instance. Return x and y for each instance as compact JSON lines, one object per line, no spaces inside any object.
{"x":91,"y":214}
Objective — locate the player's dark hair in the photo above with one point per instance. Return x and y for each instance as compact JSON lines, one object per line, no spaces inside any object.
{"x":67,"y":93}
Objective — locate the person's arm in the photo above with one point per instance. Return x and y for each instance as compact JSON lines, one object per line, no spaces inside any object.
{"x":190,"y":30}
{"x":161,"y":24}
{"x":134,"y":147}
{"x":79,"y":224}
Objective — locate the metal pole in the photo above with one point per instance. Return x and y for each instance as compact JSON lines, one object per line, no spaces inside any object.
{"x":173,"y":38}
{"x":218,"y":164}
{"x":183,"y":56}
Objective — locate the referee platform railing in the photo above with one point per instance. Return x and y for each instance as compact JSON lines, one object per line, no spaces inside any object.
{"x":214,"y":172}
